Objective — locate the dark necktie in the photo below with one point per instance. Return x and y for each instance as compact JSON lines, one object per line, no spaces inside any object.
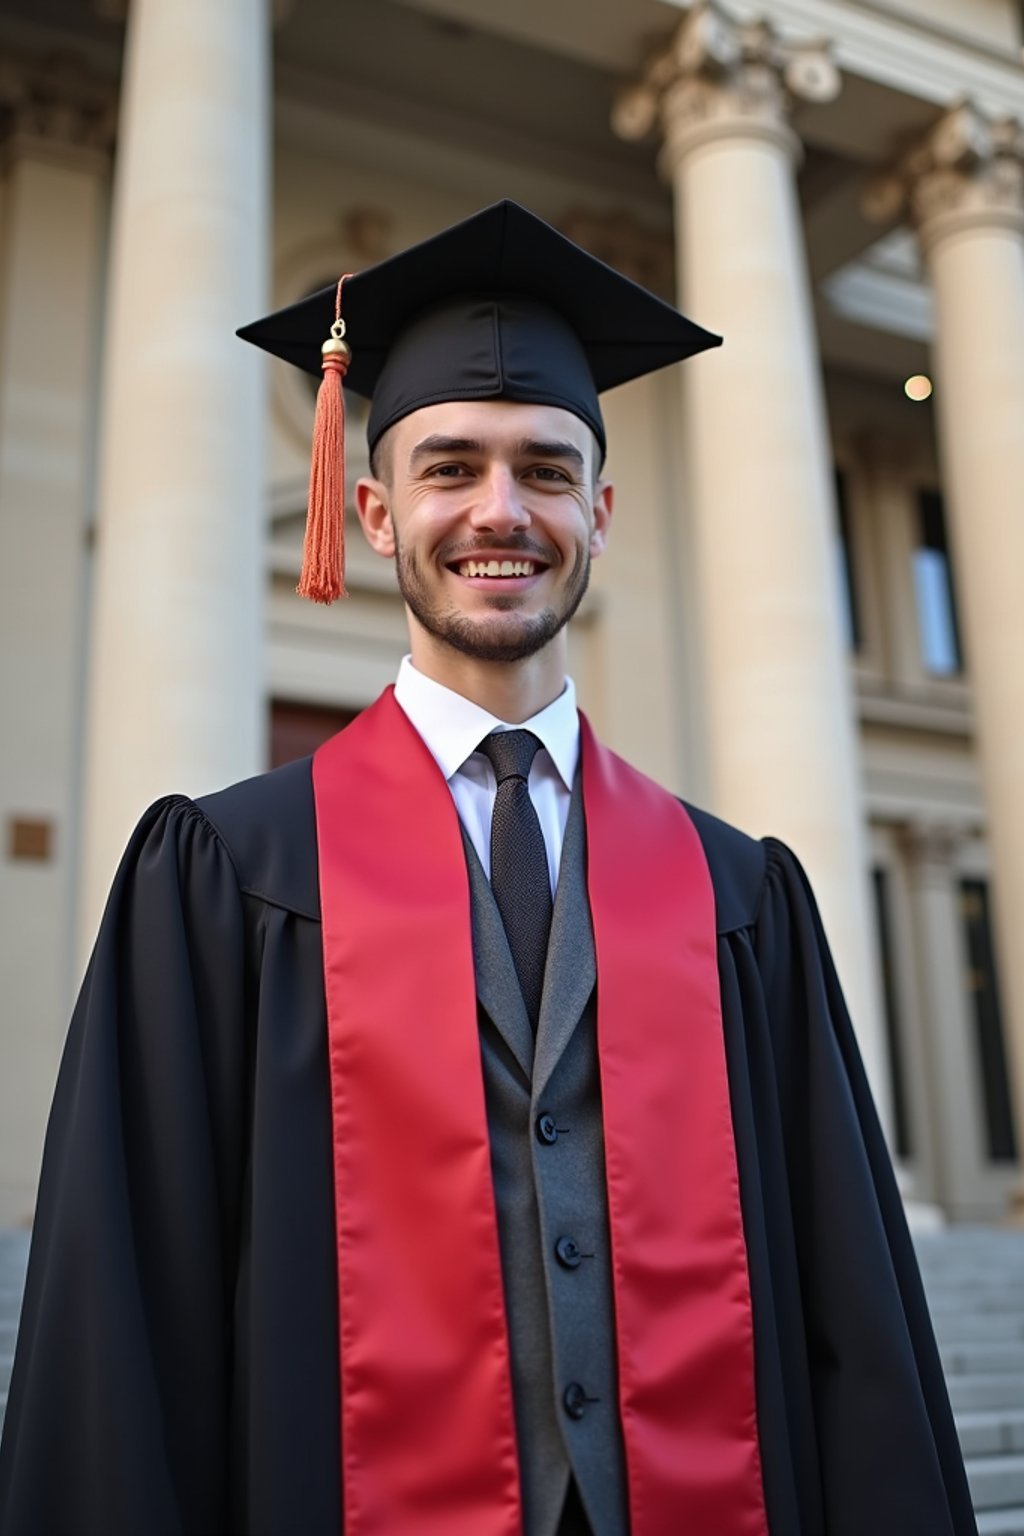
{"x":519,"y":862}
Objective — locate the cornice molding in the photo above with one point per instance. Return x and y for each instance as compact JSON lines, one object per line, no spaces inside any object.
{"x":908,"y":54}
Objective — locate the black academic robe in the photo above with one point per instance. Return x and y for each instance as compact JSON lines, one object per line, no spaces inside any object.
{"x":177,"y":1367}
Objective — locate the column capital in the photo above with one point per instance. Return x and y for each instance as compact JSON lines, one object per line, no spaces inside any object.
{"x":930,"y":847}
{"x":58,"y":101}
{"x":721,"y":78}
{"x":966,"y":172}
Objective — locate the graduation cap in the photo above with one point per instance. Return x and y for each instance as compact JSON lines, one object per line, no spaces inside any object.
{"x":499,"y":306}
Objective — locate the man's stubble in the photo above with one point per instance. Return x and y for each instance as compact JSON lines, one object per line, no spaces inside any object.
{"x":523,"y":635}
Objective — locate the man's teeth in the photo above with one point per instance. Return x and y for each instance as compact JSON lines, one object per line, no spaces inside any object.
{"x":497,"y":568}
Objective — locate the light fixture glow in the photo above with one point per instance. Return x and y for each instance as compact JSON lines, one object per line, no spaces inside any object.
{"x":918,"y":387}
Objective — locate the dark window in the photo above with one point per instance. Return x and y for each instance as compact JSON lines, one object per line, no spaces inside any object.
{"x":296,"y":730}
{"x":937,"y":623}
{"x":893,"y":1025}
{"x":847,"y":577}
{"x":982,"y":984}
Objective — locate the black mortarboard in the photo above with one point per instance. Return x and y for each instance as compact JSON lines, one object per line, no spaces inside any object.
{"x":500,"y":306}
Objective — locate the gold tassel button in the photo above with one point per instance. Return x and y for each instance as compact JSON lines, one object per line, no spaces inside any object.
{"x":336,"y":347}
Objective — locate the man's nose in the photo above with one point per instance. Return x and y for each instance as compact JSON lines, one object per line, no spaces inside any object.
{"x":499,"y":506}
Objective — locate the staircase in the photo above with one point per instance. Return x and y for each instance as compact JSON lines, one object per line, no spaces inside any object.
{"x":13,"y":1259}
{"x":974,"y":1277}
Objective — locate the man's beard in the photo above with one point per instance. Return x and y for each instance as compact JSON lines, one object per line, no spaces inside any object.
{"x":488,"y":638}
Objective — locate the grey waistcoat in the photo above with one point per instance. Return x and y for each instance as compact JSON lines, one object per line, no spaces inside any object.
{"x":560,"y":1308}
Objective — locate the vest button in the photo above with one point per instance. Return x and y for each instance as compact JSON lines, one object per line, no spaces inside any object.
{"x":567,"y":1253}
{"x":575,"y":1399}
{"x":547,"y":1130}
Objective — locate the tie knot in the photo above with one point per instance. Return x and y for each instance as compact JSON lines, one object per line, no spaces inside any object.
{"x":511,"y":753}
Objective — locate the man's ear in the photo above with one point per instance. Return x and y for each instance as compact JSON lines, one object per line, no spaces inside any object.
{"x":374,"y":512}
{"x":604,"y":497}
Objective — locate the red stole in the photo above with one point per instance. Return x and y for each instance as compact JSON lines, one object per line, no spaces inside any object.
{"x":427,"y":1430}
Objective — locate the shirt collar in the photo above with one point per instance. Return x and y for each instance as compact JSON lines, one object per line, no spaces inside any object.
{"x":452,"y":727}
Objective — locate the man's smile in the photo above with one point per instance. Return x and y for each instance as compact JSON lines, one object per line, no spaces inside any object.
{"x":496,"y":568}
{"x":509,"y":570}
{"x":504,"y":575}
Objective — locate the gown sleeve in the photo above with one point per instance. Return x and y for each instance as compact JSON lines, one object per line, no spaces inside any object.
{"x":117,"y":1417}
{"x":887,"y":1459}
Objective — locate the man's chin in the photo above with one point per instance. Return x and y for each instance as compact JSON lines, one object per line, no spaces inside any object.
{"x":497,"y":637}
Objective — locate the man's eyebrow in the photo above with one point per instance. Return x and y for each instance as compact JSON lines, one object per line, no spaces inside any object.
{"x":548,"y":448}
{"x":438,"y":442}
{"x":525,"y":448}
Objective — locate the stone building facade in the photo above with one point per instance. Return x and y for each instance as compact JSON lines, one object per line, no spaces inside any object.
{"x":809,"y":619}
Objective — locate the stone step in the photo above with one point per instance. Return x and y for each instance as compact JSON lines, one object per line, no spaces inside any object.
{"x":988,"y":1432}
{"x":991,"y":1271}
{"x":1009,"y":1257}
{"x":1001,"y":1522}
{"x":981,"y":1327}
{"x":978,"y":1359}
{"x":955,"y":1251}
{"x":976,"y":1302}
{"x":995,"y":1390}
{"x":945,"y":1252}
{"x":988,"y":1271}
{"x":996,"y":1482}
{"x":986,"y":1268}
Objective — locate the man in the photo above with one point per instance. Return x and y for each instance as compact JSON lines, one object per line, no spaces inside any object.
{"x":456,"y":1134}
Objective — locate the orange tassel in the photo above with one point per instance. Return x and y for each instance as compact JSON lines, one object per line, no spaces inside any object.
{"x":323,"y":554}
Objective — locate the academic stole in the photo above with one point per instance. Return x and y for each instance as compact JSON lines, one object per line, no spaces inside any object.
{"x":427,"y":1429}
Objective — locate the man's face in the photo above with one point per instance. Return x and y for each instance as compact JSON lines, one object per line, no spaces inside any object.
{"x":493,"y":512}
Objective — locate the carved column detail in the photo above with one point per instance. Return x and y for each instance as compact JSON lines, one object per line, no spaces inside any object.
{"x":968,"y":171}
{"x":717,"y":76}
{"x":56,"y":99}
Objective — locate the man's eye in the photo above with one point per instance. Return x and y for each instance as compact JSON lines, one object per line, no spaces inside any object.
{"x":549,"y":472}
{"x":449,"y":471}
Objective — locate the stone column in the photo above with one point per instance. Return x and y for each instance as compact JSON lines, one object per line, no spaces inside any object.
{"x":964,"y":188}
{"x":56,"y":129}
{"x":778,"y":707}
{"x":175,"y":670}
{"x":951,"y":1140}
{"x":891,"y":526}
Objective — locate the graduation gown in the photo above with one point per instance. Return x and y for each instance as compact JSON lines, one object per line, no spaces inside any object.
{"x":177,"y":1365}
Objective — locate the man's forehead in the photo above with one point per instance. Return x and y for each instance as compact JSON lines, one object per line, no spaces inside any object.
{"x":493,"y":425}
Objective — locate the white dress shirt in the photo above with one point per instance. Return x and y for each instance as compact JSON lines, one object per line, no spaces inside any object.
{"x":452,"y":728}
